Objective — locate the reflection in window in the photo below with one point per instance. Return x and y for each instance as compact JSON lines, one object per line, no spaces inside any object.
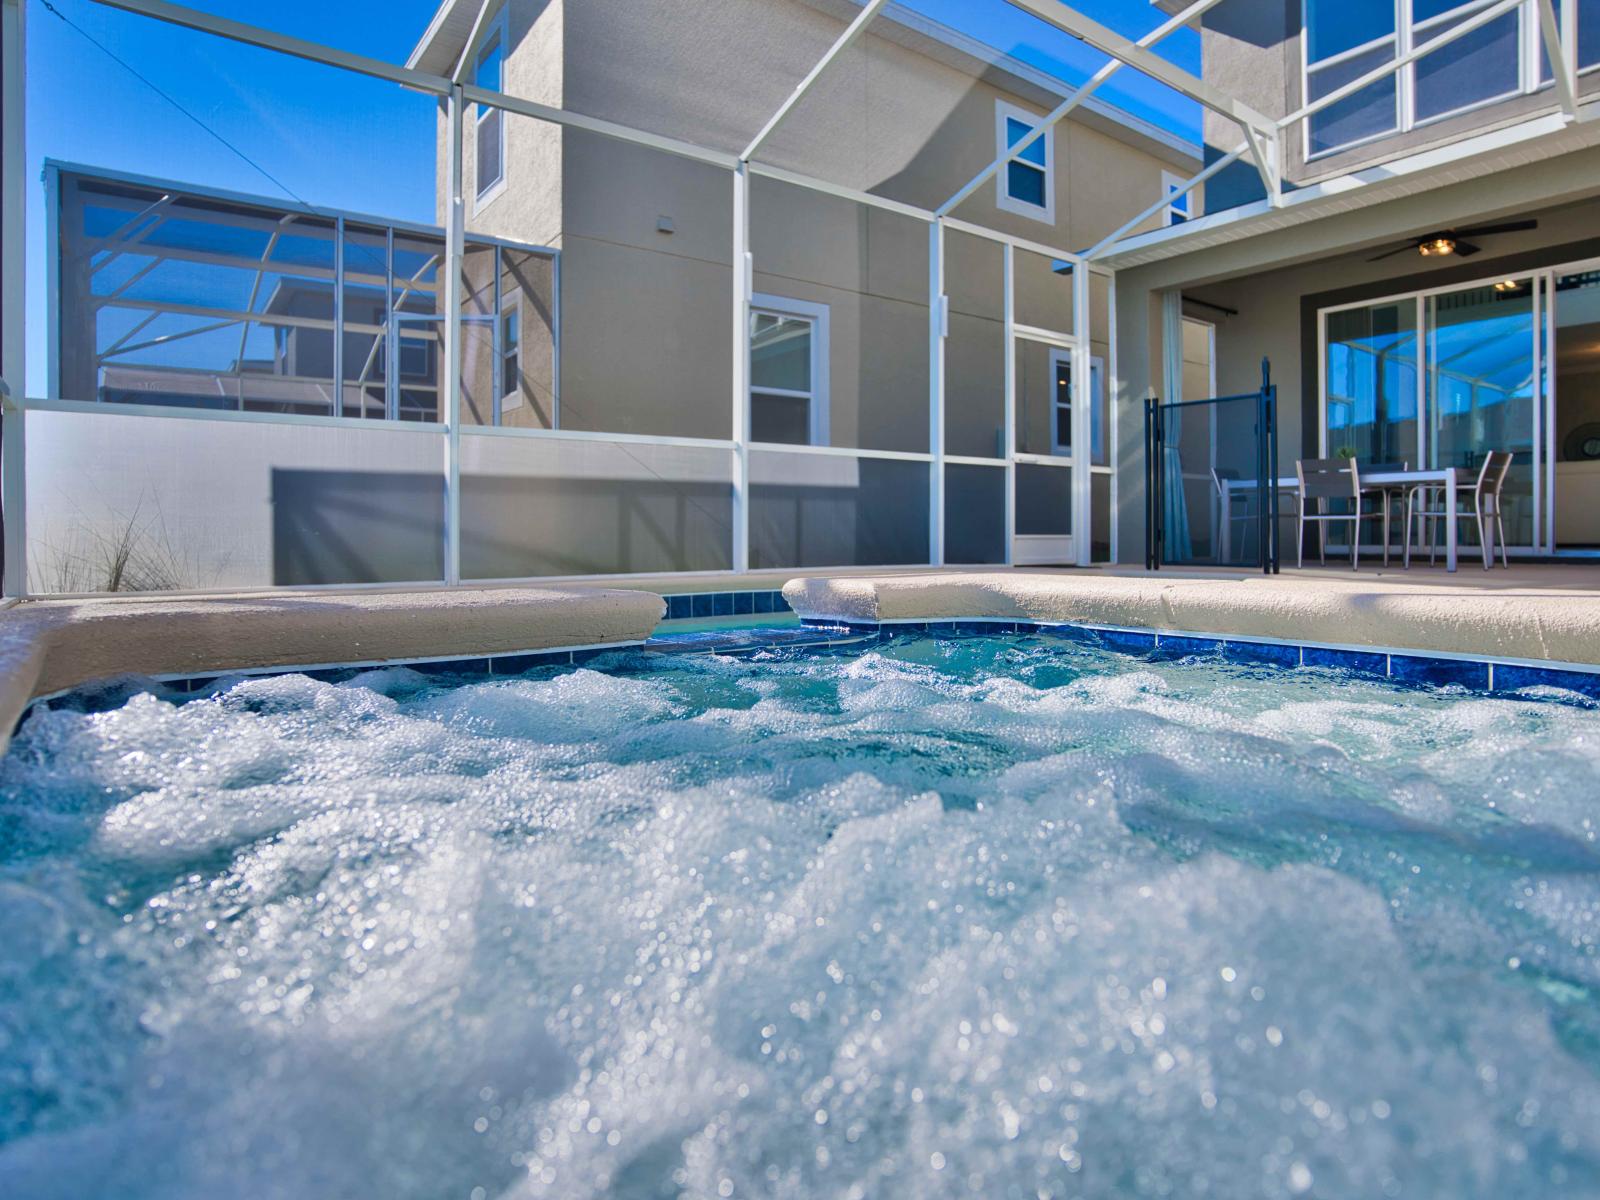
{"x":489,"y":74}
{"x":1026,"y":185}
{"x":788,"y":390}
{"x":1347,"y":39}
{"x":1371,"y":384}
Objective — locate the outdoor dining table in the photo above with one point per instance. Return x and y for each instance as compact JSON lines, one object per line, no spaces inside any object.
{"x":1445,"y":477}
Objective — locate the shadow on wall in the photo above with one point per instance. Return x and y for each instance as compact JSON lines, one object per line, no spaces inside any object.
{"x":355,"y":527}
{"x":343,"y":527}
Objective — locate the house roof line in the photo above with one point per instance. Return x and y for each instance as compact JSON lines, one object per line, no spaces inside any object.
{"x":452,"y":21}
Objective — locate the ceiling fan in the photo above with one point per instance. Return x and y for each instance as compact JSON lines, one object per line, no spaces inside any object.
{"x":1454,"y":241}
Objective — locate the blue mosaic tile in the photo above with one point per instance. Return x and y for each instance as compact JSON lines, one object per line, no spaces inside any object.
{"x":583,"y":656}
{"x":1129,"y":641}
{"x":680,"y":608}
{"x":1024,"y":627}
{"x":1363,"y":662}
{"x":1071,"y":633}
{"x":1172,"y":646}
{"x":1509,"y":679}
{"x":940,"y":628}
{"x":779,"y":604}
{"x":1438,"y":672}
{"x":702,"y":604}
{"x":744,"y":603}
{"x":979,"y":628}
{"x":1265,"y":654}
{"x":454,"y":666}
{"x":516,"y":664}
{"x":722,"y":604}
{"x":762,"y":602}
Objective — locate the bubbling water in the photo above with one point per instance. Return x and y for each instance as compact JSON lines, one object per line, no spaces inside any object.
{"x":982,"y":917}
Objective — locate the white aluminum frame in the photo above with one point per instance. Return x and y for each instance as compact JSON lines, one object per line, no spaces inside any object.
{"x":1262,"y":142}
{"x":13,"y":298}
{"x":818,"y":417}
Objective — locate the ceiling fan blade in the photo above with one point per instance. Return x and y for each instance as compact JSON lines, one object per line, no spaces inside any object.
{"x":1502,"y":227}
{"x":1466,"y":249}
{"x":1392,"y":253}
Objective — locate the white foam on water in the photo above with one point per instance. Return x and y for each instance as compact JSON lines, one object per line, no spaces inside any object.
{"x":979,"y":917}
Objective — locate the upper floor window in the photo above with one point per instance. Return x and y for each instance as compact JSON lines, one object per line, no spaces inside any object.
{"x":511,"y":351}
{"x":788,"y":371}
{"x":490,"y":136}
{"x":1347,"y":39}
{"x":1180,"y":204}
{"x":1027,"y":185}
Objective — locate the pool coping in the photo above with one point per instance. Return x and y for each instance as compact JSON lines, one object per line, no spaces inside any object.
{"x":1395,"y":666}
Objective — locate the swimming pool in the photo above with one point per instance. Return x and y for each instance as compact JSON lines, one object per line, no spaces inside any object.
{"x":985,"y":916}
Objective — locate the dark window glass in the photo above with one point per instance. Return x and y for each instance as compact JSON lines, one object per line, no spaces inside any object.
{"x":1025,"y":183}
{"x":1334,"y":26}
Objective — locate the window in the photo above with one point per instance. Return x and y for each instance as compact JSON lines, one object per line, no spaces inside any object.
{"x":1027,"y":185}
{"x":1061,"y":406}
{"x":1061,"y":402}
{"x":511,"y":352}
{"x":1180,"y":204}
{"x":490,"y":129}
{"x":1346,"y":39}
{"x":788,"y":372}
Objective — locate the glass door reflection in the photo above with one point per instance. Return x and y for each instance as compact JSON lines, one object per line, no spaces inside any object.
{"x":1481,"y":390}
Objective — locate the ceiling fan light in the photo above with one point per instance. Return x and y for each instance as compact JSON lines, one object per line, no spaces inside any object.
{"x":1507,"y":285}
{"x":1436,"y":247}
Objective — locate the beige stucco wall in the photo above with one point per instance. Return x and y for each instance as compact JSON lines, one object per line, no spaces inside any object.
{"x":646,"y":338}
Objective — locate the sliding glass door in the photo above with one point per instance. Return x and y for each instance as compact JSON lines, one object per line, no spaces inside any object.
{"x":1440,"y":379}
{"x":1370,"y":383}
{"x":1481,"y":394}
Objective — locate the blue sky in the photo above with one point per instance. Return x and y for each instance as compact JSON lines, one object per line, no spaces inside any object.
{"x":341,"y":141}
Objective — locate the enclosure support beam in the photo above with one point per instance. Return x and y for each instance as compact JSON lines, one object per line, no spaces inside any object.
{"x":1108,"y":41}
{"x":743,"y":289}
{"x":1082,"y":419}
{"x":938,"y":331}
{"x":1009,"y":426}
{"x":1061,"y":111}
{"x":845,"y":41}
{"x":1560,"y":64}
{"x":13,"y":298}
{"x":1105,"y":244}
{"x":454,"y":250}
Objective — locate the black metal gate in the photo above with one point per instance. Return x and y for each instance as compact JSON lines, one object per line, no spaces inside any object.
{"x":1211,"y":480}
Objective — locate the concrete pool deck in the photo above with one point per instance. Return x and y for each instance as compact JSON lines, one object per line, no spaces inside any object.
{"x":1536,"y":612}
{"x":1533,"y":612}
{"x":49,"y":646}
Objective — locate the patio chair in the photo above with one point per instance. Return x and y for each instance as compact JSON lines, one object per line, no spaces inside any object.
{"x":1389,"y":493}
{"x":1234,"y":505}
{"x":1427,"y":505}
{"x":1328,"y":479}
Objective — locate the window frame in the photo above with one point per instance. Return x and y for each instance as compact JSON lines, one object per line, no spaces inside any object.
{"x":508,"y":397}
{"x":817,"y":315}
{"x":497,"y":30}
{"x":1404,"y":38}
{"x":1059,"y":355}
{"x":1184,"y":207}
{"x":1005,"y":110}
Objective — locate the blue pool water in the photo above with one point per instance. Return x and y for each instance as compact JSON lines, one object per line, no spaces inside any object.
{"x":996,"y":917}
